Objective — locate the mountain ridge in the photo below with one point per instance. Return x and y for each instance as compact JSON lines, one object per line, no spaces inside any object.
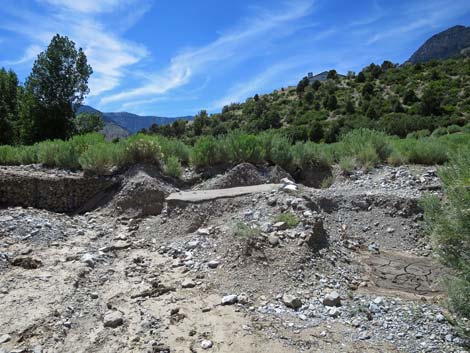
{"x":123,"y":124}
{"x":443,"y":45}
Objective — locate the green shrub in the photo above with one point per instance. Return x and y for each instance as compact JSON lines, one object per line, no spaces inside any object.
{"x":207,"y":151}
{"x":452,"y":129}
{"x":174,"y":148}
{"x":347,"y":163}
{"x":327,"y":182}
{"x":289,"y":218}
{"x":101,"y":158}
{"x":363,"y":141}
{"x":242,"y":147}
{"x":396,"y":158}
{"x":448,"y":224}
{"x":57,"y":153}
{"x":28,"y":154}
{"x":439,"y":132}
{"x":307,"y":155}
{"x":81,"y":143}
{"x":368,"y":157}
{"x":173,"y":167}
{"x":9,"y":155}
{"x":142,"y":149}
{"x":277,"y":149}
{"x":245,"y":232}
{"x":428,"y":151}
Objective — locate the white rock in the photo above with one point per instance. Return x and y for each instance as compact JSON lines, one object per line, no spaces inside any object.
{"x":188,"y":283}
{"x":287,"y":181}
{"x":229,"y":299}
{"x":206,"y":344}
{"x":280,"y":225}
{"x":203,"y":231}
{"x":213,"y":264}
{"x":290,"y":188}
{"x":334,"y":312}
{"x":88,"y":259}
{"x":113,"y":319}
{"x":273,"y":240}
{"x":4,"y":338}
{"x":378,"y":300}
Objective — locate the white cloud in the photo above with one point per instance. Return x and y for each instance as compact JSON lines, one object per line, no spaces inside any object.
{"x":107,"y":52}
{"x":421,"y":17}
{"x":29,"y":55}
{"x":87,"y":6}
{"x":282,"y":71}
{"x":252,"y":36}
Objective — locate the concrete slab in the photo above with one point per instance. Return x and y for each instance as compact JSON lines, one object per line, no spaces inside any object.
{"x":208,"y":195}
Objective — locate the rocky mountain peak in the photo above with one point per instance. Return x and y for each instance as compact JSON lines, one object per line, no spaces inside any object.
{"x":443,"y":45}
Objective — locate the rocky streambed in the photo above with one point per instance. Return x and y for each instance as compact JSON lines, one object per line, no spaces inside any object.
{"x":347,"y":271}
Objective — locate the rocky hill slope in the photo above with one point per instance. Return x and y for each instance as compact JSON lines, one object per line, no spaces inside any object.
{"x":444,"y":45}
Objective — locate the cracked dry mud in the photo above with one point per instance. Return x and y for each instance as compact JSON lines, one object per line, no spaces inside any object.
{"x":97,"y":283}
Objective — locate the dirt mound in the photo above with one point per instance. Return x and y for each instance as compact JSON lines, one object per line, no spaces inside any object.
{"x":245,"y":174}
{"x":142,"y":194}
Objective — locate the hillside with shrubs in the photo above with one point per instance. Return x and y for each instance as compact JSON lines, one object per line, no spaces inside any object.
{"x":409,"y":100}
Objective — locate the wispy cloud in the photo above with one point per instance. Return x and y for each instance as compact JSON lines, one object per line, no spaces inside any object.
{"x":421,"y":17}
{"x":285,"y":70}
{"x":29,"y":55}
{"x":247,"y":40}
{"x":108,"y":53}
{"x":87,"y":6}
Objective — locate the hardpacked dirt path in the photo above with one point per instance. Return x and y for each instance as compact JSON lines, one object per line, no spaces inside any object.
{"x":354,"y":275}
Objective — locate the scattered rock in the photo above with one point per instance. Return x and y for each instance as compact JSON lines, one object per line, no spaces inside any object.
{"x":334,"y":312}
{"x":280,"y":225}
{"x":5,"y":338}
{"x":230,"y":299}
{"x":290,"y":188}
{"x":213,"y":264}
{"x":113,"y":319}
{"x":273,"y":240}
{"x":192,"y":245}
{"x":26,"y":262}
{"x":291,"y":301}
{"x":203,"y":231}
{"x":206,"y":344}
{"x":88,"y":259}
{"x":332,"y":299}
{"x":188,"y":283}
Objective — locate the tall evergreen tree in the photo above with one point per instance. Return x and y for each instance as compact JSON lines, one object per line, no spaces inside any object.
{"x":58,"y":83}
{"x":8,"y":106}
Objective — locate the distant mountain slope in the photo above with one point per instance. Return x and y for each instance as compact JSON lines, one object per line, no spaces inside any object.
{"x":322,"y":76}
{"x":123,"y":124}
{"x":134,"y":123}
{"x":443,"y":45}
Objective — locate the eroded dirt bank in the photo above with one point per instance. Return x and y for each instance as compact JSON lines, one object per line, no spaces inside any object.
{"x":355,"y":274}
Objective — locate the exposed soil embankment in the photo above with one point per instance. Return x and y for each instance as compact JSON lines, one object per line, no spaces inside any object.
{"x":53,"y":190}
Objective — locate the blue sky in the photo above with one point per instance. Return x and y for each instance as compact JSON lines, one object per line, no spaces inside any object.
{"x":173,"y":58}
